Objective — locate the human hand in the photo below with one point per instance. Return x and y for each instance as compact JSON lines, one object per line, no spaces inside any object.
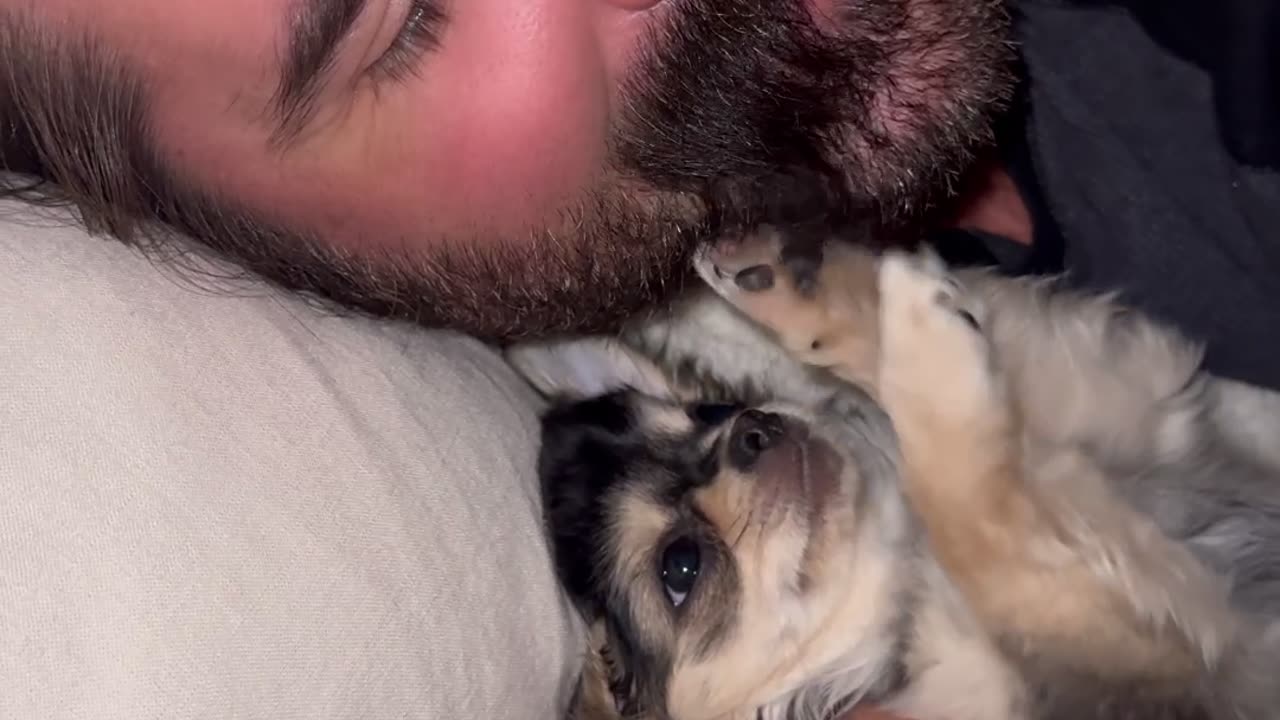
{"x":992,"y":203}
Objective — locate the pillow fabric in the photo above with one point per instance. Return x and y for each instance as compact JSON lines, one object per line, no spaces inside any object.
{"x":220,"y":501}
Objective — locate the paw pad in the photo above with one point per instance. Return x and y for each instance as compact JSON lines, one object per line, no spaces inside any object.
{"x":763,"y":262}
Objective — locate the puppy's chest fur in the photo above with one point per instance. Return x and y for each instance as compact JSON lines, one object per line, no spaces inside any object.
{"x":951,"y":669}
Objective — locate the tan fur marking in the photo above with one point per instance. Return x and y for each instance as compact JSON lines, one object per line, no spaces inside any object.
{"x":727,"y":505}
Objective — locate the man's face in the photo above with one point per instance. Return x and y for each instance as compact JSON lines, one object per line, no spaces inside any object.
{"x":521,"y":166}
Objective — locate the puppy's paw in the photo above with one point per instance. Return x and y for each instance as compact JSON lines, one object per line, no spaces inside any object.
{"x":774,"y":285}
{"x":817,"y":301}
{"x":935,"y":360}
{"x":762,"y":264}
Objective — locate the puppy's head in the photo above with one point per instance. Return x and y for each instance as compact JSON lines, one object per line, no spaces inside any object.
{"x":739,"y":558}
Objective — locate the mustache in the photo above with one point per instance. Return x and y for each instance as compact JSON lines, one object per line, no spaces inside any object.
{"x":740,"y":89}
{"x":770,"y":119}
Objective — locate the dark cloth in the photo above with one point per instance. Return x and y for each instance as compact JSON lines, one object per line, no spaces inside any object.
{"x":1147,"y":147}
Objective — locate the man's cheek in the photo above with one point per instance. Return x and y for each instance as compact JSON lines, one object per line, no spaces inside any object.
{"x":521,"y":123}
{"x":525,"y":160}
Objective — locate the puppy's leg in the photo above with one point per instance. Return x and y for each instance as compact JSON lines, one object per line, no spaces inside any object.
{"x":819,"y":303}
{"x":1014,"y":554}
{"x":601,"y":693}
{"x":958,"y":440}
{"x":957,"y":434}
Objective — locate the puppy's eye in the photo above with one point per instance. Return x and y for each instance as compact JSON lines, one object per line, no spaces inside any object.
{"x":713,"y":413}
{"x":681,"y":561}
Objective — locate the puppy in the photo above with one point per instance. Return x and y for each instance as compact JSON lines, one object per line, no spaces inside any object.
{"x":956,"y":495}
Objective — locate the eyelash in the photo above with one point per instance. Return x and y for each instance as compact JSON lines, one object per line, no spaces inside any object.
{"x":419,"y":35}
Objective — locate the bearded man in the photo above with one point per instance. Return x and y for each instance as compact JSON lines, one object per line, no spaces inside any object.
{"x":225,"y":499}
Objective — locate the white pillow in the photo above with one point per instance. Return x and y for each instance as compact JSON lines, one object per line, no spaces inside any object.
{"x":218,"y":501}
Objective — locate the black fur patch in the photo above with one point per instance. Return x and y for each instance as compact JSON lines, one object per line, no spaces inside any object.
{"x":586,"y":448}
{"x":593,"y":452}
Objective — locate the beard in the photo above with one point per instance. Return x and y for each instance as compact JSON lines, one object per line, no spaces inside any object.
{"x":742,"y":112}
{"x":760,"y":110}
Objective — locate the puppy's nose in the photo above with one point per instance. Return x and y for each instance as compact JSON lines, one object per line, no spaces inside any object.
{"x":753,"y":433}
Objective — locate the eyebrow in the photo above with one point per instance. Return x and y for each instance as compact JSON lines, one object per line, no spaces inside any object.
{"x":316,"y":32}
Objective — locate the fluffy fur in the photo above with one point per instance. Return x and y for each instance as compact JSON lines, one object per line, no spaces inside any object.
{"x":958,"y":495}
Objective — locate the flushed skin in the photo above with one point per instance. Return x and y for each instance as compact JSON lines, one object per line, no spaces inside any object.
{"x":991,"y":501}
{"x":505,"y":168}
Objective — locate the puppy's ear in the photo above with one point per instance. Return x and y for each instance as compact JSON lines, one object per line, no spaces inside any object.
{"x":588,"y":367}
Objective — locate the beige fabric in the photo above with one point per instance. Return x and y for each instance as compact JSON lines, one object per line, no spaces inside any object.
{"x":219,"y":505}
